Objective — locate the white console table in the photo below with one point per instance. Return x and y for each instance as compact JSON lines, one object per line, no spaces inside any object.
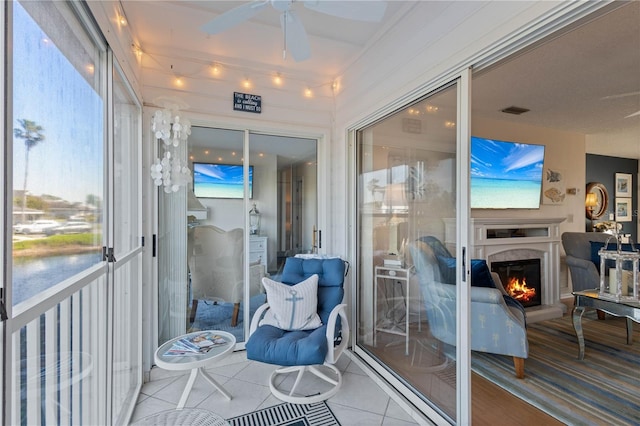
{"x":258,"y":250}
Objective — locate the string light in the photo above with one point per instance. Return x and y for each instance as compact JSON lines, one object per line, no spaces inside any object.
{"x":216,"y":69}
{"x":449,"y":124}
{"x":137,"y":51}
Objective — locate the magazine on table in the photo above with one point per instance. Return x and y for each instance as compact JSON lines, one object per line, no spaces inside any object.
{"x":197,"y":344}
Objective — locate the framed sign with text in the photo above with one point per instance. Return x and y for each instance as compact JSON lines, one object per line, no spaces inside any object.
{"x":247,"y":102}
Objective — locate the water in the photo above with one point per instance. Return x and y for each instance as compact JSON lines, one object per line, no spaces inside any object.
{"x":31,"y":275}
{"x":505,"y":193}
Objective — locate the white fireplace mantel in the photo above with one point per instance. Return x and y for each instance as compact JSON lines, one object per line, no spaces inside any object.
{"x":498,"y":239}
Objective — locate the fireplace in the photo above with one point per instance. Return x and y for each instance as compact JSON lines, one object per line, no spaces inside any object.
{"x":521,"y":279}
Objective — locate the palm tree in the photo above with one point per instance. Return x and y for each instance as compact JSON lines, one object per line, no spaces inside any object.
{"x":32,"y":135}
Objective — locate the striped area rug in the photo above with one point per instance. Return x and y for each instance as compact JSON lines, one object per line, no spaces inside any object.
{"x":318,"y":414}
{"x":603,"y":389}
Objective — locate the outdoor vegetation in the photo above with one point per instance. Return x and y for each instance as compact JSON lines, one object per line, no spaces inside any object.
{"x":57,"y":244}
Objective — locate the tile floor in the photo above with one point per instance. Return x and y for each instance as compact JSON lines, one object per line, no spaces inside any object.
{"x":360,"y":401}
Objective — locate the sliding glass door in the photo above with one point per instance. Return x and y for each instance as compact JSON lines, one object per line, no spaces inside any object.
{"x":251,"y":203}
{"x":411,"y":198}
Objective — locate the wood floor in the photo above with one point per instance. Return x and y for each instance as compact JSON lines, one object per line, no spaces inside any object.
{"x":493,"y":406}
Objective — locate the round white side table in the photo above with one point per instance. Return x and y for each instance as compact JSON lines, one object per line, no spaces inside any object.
{"x":197,"y":362}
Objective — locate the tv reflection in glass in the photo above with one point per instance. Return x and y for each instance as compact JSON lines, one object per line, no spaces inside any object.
{"x":214,"y":180}
{"x":505,"y":175}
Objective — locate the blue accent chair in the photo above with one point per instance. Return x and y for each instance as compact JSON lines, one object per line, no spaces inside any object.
{"x":583,"y":259}
{"x":496,"y":326}
{"x":300,"y":351}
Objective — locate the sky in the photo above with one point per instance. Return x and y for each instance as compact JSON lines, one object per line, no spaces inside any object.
{"x":494,"y":159}
{"x":56,"y":96}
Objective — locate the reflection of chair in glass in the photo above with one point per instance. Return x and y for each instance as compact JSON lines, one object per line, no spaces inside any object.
{"x":215,"y":264}
{"x":299,"y":350}
{"x":497,"y":323}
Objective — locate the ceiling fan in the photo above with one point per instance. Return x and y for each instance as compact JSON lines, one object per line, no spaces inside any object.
{"x":295,"y":36}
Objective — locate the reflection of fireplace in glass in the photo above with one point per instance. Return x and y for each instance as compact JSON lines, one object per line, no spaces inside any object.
{"x":521,"y":279}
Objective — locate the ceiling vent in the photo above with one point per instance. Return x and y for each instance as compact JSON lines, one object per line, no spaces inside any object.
{"x":514,"y":110}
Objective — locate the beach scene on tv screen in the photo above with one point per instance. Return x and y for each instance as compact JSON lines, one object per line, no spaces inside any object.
{"x":219,"y":180}
{"x":505,"y":174}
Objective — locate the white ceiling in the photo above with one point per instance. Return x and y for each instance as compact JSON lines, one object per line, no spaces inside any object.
{"x":166,"y":27}
{"x":586,"y":81}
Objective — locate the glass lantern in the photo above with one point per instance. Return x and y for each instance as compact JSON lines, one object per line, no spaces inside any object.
{"x":254,"y":221}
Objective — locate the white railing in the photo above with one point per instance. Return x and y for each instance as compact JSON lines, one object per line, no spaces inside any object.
{"x":59,"y":362}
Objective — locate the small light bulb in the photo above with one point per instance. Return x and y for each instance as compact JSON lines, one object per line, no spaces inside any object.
{"x":277,"y":80}
{"x":308,"y":93}
{"x":246,"y":83}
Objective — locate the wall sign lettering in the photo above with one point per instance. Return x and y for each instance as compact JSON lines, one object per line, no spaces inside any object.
{"x":247,"y":102}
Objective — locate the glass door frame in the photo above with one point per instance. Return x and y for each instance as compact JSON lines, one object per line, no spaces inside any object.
{"x":197,"y":120}
{"x":461,"y":79}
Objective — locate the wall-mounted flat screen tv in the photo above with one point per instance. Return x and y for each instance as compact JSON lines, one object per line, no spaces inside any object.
{"x":213,"y":180}
{"x":505,"y":175}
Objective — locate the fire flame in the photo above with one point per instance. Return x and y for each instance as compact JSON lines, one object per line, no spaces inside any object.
{"x":518,"y":289}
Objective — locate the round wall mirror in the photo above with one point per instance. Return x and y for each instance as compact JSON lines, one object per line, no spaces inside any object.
{"x":599,"y":207}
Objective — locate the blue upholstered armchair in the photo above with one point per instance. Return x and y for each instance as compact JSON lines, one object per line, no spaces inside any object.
{"x":583,"y":259}
{"x":299,"y":348}
{"x":497,"y":321}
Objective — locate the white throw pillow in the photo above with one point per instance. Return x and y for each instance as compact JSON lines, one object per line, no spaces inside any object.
{"x":292,"y":307}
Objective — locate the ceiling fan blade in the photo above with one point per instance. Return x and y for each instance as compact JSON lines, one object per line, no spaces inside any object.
{"x":622,"y":95}
{"x":295,"y":36}
{"x":633,"y":115}
{"x":370,"y":11}
{"x":234,"y":16}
